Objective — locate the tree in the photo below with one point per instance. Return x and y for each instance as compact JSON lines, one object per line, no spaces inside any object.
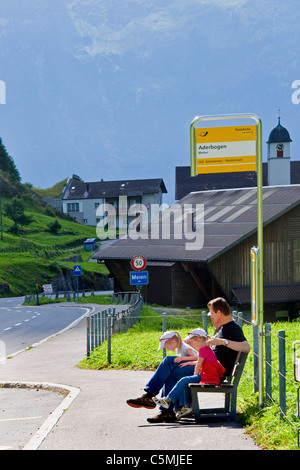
{"x":7,"y":164}
{"x":16,"y":212}
{"x":54,"y":227}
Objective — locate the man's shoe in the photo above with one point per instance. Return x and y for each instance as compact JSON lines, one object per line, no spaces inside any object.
{"x":145,"y":401}
{"x":167,"y":417}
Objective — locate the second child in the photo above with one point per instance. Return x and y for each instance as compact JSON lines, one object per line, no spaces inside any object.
{"x":208,"y":370}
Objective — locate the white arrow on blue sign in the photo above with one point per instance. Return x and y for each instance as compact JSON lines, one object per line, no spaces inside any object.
{"x":77,"y":270}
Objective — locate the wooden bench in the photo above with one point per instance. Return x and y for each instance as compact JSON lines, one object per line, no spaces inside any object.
{"x":228,"y":387}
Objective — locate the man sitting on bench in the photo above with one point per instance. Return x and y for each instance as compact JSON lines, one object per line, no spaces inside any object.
{"x":227,"y":341}
{"x":228,"y":338}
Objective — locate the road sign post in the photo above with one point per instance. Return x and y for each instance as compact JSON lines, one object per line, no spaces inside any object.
{"x":234,"y":149}
{"x":138,"y":263}
{"x":77,"y":273}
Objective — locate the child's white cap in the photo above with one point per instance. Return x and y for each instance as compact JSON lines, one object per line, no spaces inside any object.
{"x":166,"y":335}
{"x":196,"y":332}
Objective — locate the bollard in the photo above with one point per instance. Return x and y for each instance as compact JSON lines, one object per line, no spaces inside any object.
{"x":109,"y":338}
{"x":88,"y":344}
{"x":103,"y":325}
{"x":268,"y":360}
{"x":282,"y":380}
{"x":164,"y":328}
{"x":99,"y":327}
{"x":255,"y":357}
{"x":96,"y":330}
{"x":204,"y":320}
{"x":92,"y":332}
{"x":240,"y":319}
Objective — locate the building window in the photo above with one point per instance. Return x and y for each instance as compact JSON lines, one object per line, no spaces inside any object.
{"x":73,"y":207}
{"x":96,"y":205}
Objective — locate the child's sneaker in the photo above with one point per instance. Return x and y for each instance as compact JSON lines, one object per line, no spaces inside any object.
{"x":165,"y":402}
{"x":184,"y":411}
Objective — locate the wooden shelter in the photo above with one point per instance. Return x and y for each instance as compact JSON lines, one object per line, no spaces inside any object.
{"x":221,"y":265}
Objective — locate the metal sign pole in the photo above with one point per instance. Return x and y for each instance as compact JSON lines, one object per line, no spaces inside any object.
{"x":260,"y":262}
{"x":247,"y":165}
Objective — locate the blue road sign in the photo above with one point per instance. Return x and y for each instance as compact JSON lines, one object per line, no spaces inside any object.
{"x":77,"y":270}
{"x":137,"y":278}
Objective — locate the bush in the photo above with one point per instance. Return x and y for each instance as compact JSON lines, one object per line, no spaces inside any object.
{"x":54,"y":227}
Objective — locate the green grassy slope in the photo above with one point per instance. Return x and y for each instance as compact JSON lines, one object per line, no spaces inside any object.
{"x":36,"y":254}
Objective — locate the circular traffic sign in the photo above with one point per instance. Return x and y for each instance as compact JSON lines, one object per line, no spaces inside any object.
{"x":138,"y":263}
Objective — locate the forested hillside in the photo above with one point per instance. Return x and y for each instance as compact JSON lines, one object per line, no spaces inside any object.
{"x":36,"y":239}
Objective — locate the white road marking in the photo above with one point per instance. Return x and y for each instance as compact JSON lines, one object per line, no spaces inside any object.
{"x":19,"y":419}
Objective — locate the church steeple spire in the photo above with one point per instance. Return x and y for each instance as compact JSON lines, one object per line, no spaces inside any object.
{"x":279,"y":155}
{"x":279,"y":133}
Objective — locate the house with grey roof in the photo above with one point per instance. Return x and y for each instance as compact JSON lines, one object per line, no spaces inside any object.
{"x":87,"y":201}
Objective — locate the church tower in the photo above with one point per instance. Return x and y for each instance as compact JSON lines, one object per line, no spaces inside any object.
{"x":279,"y":161}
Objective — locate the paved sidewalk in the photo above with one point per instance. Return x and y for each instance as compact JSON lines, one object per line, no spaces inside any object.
{"x":94,"y":415}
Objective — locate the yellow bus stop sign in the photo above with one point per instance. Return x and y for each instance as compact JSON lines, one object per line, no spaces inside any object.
{"x":223,"y":149}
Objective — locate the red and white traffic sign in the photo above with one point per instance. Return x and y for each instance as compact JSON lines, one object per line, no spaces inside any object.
{"x":138,"y":263}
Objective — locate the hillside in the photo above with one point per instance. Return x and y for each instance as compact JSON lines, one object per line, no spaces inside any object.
{"x":55,"y":191}
{"x":36,"y":256}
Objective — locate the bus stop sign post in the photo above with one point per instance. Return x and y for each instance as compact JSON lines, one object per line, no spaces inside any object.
{"x":235,"y":149}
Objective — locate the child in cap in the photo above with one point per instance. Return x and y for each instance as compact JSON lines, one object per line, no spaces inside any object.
{"x":172,"y":341}
{"x":170,"y":370}
{"x":208,"y":367}
{"x":208,"y":370}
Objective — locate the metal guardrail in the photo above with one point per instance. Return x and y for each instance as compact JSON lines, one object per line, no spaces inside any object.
{"x":102,"y":325}
{"x":69,"y":295}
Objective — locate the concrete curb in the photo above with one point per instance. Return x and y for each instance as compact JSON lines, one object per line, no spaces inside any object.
{"x":50,"y":422}
{"x":72,"y":392}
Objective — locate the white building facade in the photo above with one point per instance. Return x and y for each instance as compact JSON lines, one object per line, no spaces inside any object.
{"x":119,"y":201}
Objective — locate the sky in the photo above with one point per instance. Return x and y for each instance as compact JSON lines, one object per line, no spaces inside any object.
{"x":107,"y":89}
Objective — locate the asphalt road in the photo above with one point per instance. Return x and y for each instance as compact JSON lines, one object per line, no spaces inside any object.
{"x":24,"y":326}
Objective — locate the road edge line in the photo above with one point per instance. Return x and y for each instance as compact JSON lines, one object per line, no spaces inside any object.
{"x":47,"y":426}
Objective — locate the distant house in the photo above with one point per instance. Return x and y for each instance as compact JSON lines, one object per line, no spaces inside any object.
{"x":85,"y":201}
{"x":221,"y":265}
